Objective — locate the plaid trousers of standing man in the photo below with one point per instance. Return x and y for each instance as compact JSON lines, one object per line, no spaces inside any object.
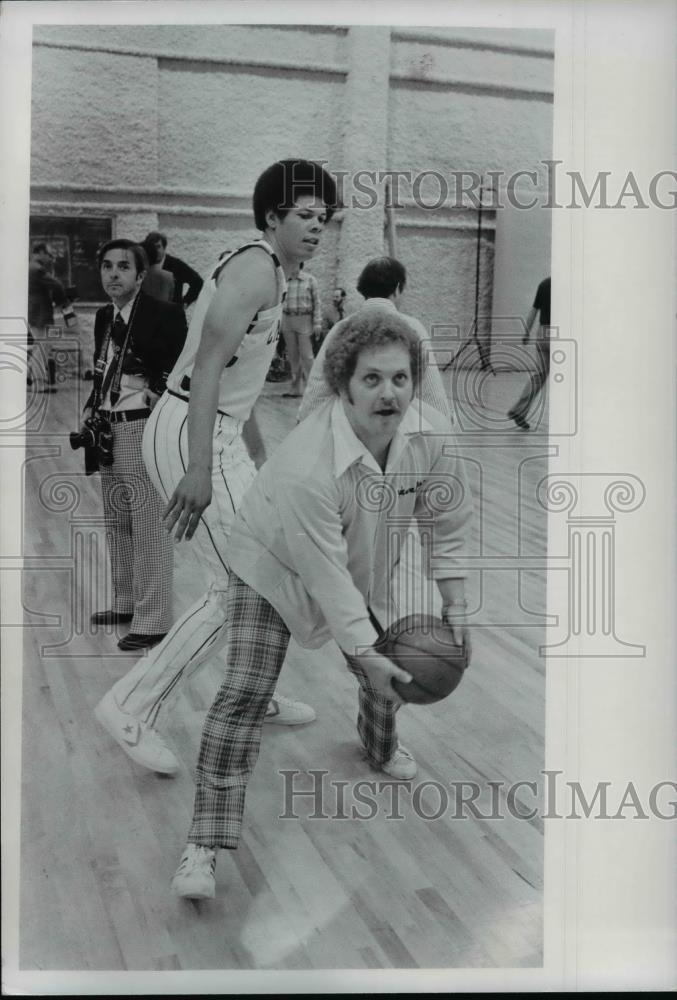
{"x":231,"y":735}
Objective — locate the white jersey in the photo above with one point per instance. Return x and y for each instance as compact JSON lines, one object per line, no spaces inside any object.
{"x":243,"y":376}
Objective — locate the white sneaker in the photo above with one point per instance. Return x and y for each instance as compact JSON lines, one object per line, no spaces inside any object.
{"x":285,"y":712}
{"x":195,"y":878}
{"x":401,"y":765}
{"x":139,"y":741}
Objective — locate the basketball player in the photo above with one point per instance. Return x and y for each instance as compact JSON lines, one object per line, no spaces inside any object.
{"x":310,"y":555}
{"x":193,"y":446}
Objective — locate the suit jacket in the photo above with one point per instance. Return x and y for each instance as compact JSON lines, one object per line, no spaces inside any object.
{"x":156,"y":339}
{"x":183,"y":275}
{"x":43,"y":292}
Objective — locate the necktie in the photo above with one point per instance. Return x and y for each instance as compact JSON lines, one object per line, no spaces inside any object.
{"x":118,"y":331}
{"x":117,"y":334}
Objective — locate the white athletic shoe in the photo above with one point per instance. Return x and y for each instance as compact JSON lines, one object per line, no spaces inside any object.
{"x":139,"y":741}
{"x":285,"y":712}
{"x":195,"y":878}
{"x":401,"y":765}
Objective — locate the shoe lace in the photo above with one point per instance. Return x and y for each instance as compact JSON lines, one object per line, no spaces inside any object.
{"x":197,"y":857}
{"x":401,"y":754}
{"x":287,"y":702}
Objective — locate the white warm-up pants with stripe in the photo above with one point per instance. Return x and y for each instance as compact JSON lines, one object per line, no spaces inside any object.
{"x":152,"y":683}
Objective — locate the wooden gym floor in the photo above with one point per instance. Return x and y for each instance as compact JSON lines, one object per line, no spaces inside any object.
{"x":101,"y":837}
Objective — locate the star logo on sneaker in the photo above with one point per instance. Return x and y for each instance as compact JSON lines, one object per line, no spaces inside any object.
{"x":130,"y":729}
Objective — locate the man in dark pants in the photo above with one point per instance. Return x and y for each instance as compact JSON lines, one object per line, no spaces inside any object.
{"x":541,"y":305}
{"x":137,"y":341}
{"x":183,"y":274}
{"x":44,"y":292}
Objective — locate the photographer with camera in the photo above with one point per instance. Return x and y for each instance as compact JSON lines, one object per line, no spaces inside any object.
{"x":137,"y":341}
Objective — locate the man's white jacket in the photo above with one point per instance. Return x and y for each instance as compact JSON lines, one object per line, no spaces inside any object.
{"x":321,"y":530}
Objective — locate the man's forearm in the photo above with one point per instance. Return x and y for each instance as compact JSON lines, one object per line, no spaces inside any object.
{"x":195,"y":283}
{"x":452,"y":590}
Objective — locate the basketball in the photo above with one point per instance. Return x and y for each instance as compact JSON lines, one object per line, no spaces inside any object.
{"x":423,"y":646}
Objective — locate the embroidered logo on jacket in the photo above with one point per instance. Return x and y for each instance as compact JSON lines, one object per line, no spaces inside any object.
{"x":412,"y":489}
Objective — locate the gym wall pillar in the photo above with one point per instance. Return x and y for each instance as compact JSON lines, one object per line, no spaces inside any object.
{"x":365,"y":146}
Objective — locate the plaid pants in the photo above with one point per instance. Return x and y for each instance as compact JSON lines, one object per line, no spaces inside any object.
{"x":141,"y":552}
{"x":231,"y":735}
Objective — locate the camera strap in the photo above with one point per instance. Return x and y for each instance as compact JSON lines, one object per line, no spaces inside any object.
{"x":114,"y":372}
{"x":101,"y":384}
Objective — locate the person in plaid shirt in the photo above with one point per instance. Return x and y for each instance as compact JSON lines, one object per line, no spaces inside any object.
{"x":311,"y":556}
{"x":301,"y":321}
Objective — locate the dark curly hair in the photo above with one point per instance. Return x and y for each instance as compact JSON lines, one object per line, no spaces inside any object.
{"x":281,"y":185}
{"x":366,"y":329}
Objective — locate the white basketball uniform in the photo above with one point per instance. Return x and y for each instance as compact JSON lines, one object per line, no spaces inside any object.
{"x":152,"y":683}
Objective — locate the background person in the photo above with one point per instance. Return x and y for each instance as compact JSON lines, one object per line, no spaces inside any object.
{"x":158,"y":282}
{"x":540,"y":308}
{"x":182,"y":272}
{"x":301,"y":320}
{"x":44,"y":292}
{"x":333,"y":314}
{"x":137,"y":340}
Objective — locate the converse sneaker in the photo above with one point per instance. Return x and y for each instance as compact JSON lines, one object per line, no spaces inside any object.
{"x":195,"y":878}
{"x":401,"y":765}
{"x":285,"y":712}
{"x":140,"y":741}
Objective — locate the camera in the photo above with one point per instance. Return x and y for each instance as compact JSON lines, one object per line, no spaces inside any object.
{"x":68,"y":313}
{"x":96,"y":438}
{"x":69,"y":316}
{"x":132,"y":364}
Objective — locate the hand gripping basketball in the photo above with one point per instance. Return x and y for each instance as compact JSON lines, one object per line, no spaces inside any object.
{"x":424,"y":646}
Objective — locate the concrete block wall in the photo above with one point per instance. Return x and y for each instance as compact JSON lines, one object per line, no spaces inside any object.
{"x":93,"y":118}
{"x":169,"y":126}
